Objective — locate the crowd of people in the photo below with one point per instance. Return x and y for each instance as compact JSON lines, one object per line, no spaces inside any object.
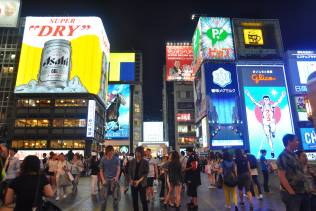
{"x":25,"y":183}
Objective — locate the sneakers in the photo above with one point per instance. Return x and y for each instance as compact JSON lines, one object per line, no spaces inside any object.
{"x":65,"y":196}
{"x":57,"y":198}
{"x":211,"y":187}
{"x":227,"y":206}
{"x":260,"y":196}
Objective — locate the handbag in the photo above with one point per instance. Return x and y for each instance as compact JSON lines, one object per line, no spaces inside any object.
{"x":64,"y":180}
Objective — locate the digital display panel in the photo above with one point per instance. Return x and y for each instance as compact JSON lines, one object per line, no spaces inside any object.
{"x":223,"y":105}
{"x":179,"y":63}
{"x":118,"y":112}
{"x":63,"y":55}
{"x":267,"y":107}
{"x":308,"y":138}
{"x":9,"y":13}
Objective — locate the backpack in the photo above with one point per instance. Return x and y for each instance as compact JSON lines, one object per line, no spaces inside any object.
{"x":252,"y":161}
{"x":229,"y":175}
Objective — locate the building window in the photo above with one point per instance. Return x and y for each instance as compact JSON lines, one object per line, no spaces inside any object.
{"x":186,"y":140}
{"x":29,"y":144}
{"x":188,"y":94}
{"x":34,"y":103}
{"x":75,"y":144}
{"x":136,"y":108}
{"x":182,"y":129}
{"x":70,"y":102}
{"x":31,"y":123}
{"x":69,"y":122}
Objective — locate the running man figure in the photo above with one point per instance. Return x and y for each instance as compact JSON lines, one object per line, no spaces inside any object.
{"x":267,"y":108}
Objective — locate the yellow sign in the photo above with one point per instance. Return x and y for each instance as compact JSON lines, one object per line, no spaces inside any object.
{"x":64,"y":55}
{"x":253,"y":37}
{"x":122,"y":67}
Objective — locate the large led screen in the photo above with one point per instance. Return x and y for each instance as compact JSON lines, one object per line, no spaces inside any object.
{"x":118,"y":112}
{"x":301,"y":64}
{"x":122,"y":67}
{"x":153,"y":132}
{"x":258,"y":39}
{"x":9,"y":13}
{"x":63,"y":55}
{"x":213,"y":40}
{"x":267,"y":107}
{"x":226,"y":128}
{"x":308,"y":137}
{"x":179,"y":63}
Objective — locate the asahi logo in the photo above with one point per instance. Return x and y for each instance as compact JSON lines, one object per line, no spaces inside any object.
{"x":52,"y":61}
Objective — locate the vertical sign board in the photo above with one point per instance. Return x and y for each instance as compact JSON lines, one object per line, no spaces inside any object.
{"x":118,"y":112}
{"x":225,"y":122}
{"x":91,"y":119}
{"x":258,"y":39}
{"x":267,"y":107}
{"x":9,"y":13}
{"x":199,"y":95}
{"x":213,"y":40}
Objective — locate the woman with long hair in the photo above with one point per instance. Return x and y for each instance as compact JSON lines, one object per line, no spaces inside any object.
{"x":175,"y":180}
{"x":29,"y":187}
{"x":76,"y":169}
{"x":62,"y":179}
{"x":209,"y":170}
{"x":52,"y":169}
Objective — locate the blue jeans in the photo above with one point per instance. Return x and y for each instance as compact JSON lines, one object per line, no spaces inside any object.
{"x":106,"y":192}
{"x":296,"y":202}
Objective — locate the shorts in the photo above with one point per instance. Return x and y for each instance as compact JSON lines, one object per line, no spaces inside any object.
{"x":192,"y":190}
{"x":150,"y":182}
{"x":244,"y":181}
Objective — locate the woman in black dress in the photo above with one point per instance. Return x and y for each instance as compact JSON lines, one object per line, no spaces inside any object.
{"x":175,"y":179}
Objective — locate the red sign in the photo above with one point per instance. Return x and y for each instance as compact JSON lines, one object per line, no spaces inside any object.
{"x":179,"y":63}
{"x":184,"y":117}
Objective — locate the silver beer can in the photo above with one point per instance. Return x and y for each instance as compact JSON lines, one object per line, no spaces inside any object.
{"x":55,"y":64}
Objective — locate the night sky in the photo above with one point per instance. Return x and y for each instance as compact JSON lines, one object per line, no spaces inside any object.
{"x":147,"y":25}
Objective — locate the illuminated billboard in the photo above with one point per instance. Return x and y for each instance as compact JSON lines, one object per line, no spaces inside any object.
{"x":118,"y":112}
{"x":300,"y":107}
{"x":179,"y":63}
{"x":267,"y":107}
{"x":301,"y":64}
{"x":63,"y":55}
{"x":199,"y":95}
{"x":122,"y":67}
{"x":258,"y":39}
{"x":226,"y":126}
{"x":308,"y":137}
{"x":153,"y":132}
{"x":213,"y":40}
{"x":184,"y":117}
{"x":9,"y":13}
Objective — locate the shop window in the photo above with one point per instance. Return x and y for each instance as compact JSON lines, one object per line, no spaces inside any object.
{"x":31,"y":123}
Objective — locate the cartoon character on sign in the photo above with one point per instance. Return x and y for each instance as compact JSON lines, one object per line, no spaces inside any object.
{"x":269,"y":114}
{"x":112,"y":110}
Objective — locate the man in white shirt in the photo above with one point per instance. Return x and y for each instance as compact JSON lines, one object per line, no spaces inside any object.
{"x":152,"y":175}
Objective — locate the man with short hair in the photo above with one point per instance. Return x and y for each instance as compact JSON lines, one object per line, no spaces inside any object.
{"x":109,"y":174}
{"x":152,"y":175}
{"x":265,"y":170}
{"x":12,"y":166}
{"x":293,"y":183}
{"x":254,"y":174}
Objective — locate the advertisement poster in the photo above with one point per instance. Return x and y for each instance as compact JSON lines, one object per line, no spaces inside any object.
{"x":179,"y":63}
{"x":226,"y":126}
{"x":213,"y":40}
{"x":118,"y":112}
{"x":63,"y":55}
{"x":122,"y":67}
{"x":300,"y":107}
{"x":9,"y":13}
{"x":199,"y":95}
{"x":301,"y":64}
{"x":258,"y":39}
{"x":308,"y":138}
{"x":267,"y":107}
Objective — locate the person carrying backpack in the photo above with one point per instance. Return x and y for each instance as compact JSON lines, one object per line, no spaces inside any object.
{"x":254,"y":174}
{"x":228,"y":170}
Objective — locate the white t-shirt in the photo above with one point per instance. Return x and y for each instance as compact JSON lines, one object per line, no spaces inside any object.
{"x":152,"y":162}
{"x":52,"y":165}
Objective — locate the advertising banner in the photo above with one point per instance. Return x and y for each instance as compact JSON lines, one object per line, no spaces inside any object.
{"x":179,"y":63}
{"x":199,"y":95}
{"x":223,"y":105}
{"x":301,"y":64}
{"x":91,"y":118}
{"x":267,"y":107}
{"x":300,"y":107}
{"x":118,"y":112}
{"x":9,"y":13}
{"x":308,"y":138}
{"x":213,"y":40}
{"x":63,"y":55}
{"x":122,"y":67}
{"x":258,"y":39}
